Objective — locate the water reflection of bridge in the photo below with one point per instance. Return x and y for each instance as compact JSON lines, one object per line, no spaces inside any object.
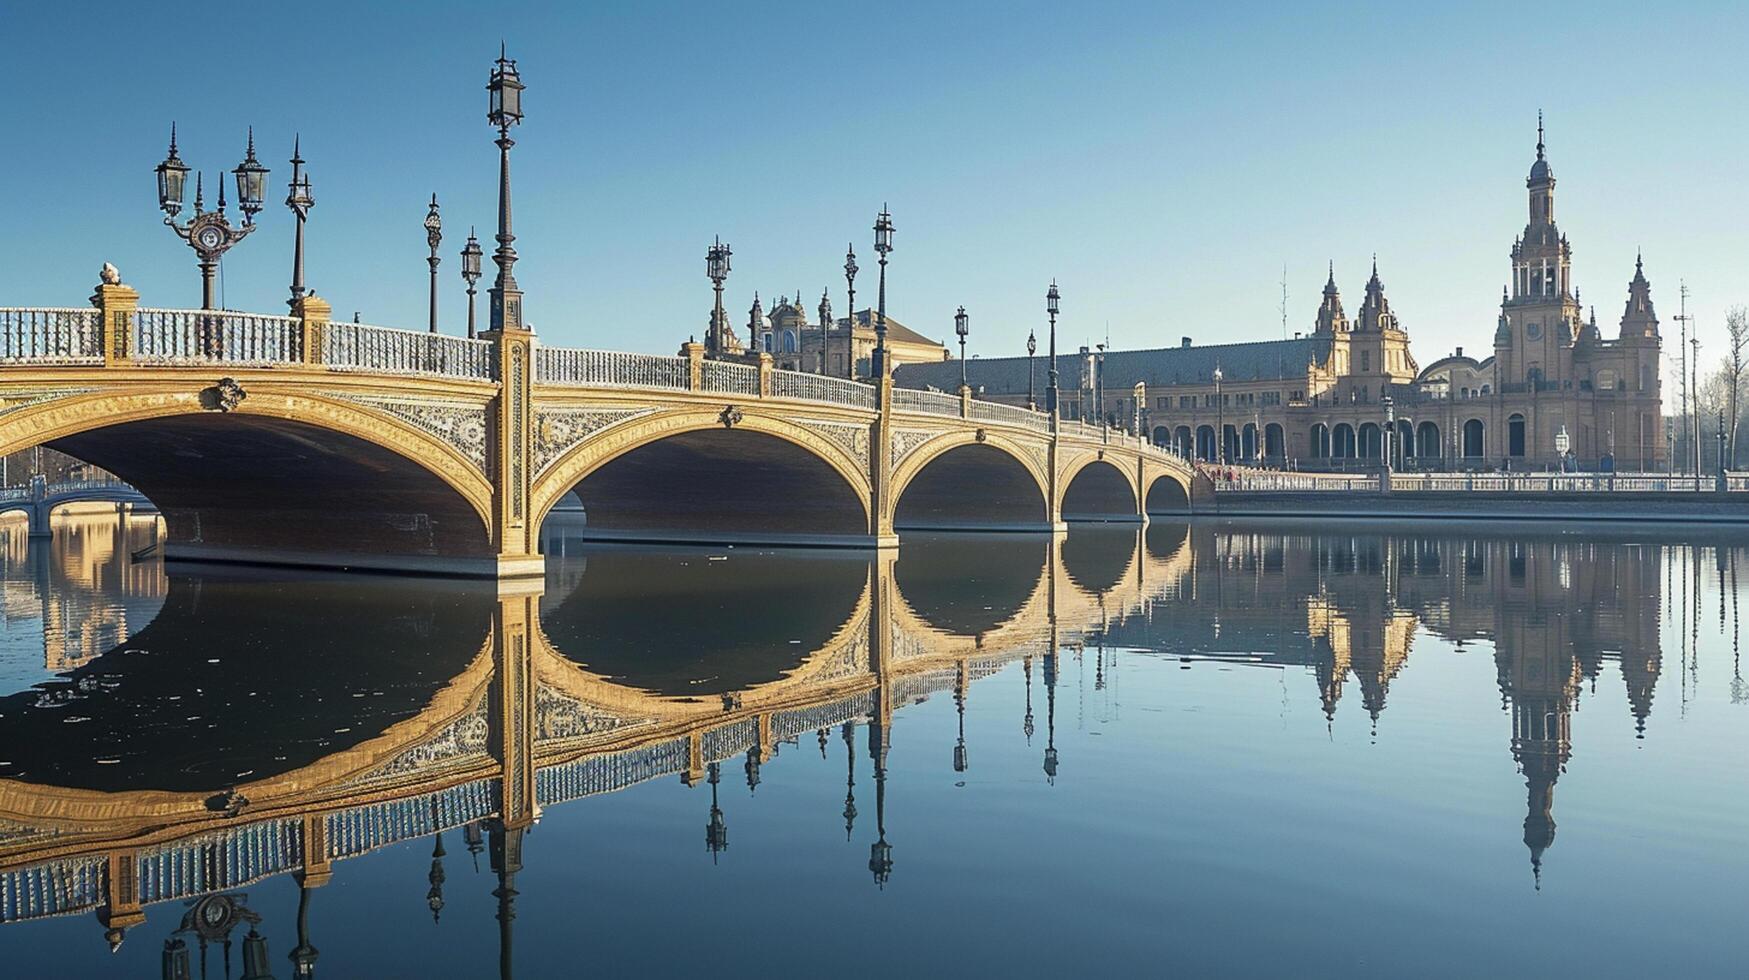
{"x":537,"y":713}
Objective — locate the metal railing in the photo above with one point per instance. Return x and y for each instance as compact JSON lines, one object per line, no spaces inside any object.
{"x":50,"y":336}
{"x":215,"y":337}
{"x":1010,"y":415}
{"x":1243,"y":479}
{"x":820,"y":388}
{"x":1246,"y":479}
{"x":724,"y":378}
{"x":925,"y":402}
{"x":569,"y":365}
{"x":359,"y":347}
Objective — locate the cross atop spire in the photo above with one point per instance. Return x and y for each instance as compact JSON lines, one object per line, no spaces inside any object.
{"x":1539,"y":134}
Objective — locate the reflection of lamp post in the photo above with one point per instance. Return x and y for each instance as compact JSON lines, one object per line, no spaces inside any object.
{"x":1051,"y":717}
{"x":883,"y":230}
{"x":1031,"y":349}
{"x":849,"y":734}
{"x":471,"y":273}
{"x":210,"y":233}
{"x":752,"y":768}
{"x":716,"y":833}
{"x":959,"y":748}
{"x":433,"y":238}
{"x":880,"y":853}
{"x":434,"y":896}
{"x":1026,"y":722}
{"x":962,"y":326}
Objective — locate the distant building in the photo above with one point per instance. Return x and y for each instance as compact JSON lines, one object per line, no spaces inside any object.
{"x":794,"y":344}
{"x":1554,"y":392}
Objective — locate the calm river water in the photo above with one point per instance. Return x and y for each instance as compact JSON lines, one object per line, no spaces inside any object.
{"x":1217,"y":749}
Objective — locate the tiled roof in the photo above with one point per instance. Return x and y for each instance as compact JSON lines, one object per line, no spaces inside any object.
{"x":1265,"y":360}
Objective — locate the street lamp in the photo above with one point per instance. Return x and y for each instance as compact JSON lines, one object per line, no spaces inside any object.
{"x":1031,"y":349}
{"x":503,"y":111}
{"x":1388,"y":436}
{"x":433,"y":238}
{"x":1052,"y":299}
{"x":825,"y":324}
{"x":471,"y":273}
{"x":1099,"y":391}
{"x":716,"y":832}
{"x":300,"y":201}
{"x":850,"y":314}
{"x":961,"y":326}
{"x":716,"y":268}
{"x":1220,"y":422}
{"x":883,"y":230}
{"x":210,"y":233}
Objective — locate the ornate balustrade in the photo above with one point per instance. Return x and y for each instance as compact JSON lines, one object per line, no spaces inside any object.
{"x":820,"y":388}
{"x":610,"y":369}
{"x":728,"y":378}
{"x":1239,"y":479}
{"x":926,"y":402}
{"x":50,"y":336}
{"x":215,"y":337}
{"x":358,"y":347}
{"x":221,"y":860}
{"x":1010,"y":415}
{"x":50,"y":889}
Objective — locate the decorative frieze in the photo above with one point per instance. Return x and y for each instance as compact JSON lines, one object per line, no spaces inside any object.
{"x":557,"y":430}
{"x":558,"y":716}
{"x":460,"y":424}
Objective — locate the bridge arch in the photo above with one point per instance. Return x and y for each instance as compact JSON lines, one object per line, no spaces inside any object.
{"x":1098,"y":489}
{"x":252,"y":479}
{"x":929,"y":485}
{"x":775,"y":478}
{"x":1167,"y":494}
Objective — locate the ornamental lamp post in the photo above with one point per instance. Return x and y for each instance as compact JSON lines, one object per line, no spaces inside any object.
{"x":504,"y":110}
{"x":210,"y":233}
{"x":1031,"y":349}
{"x":716,"y":268}
{"x":471,"y":274}
{"x":850,"y":314}
{"x":1099,"y":393}
{"x":961,"y":326}
{"x":300,"y":201}
{"x":825,"y":325}
{"x":1220,"y":422}
{"x":883,"y":244}
{"x":1386,"y":438}
{"x":433,"y":238}
{"x":1052,"y":301}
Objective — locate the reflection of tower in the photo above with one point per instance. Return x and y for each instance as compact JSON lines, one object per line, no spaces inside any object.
{"x":1051,"y":716}
{"x":849,"y":779}
{"x":1541,"y":684}
{"x":751,"y":766}
{"x":506,"y":844}
{"x":716,"y":832}
{"x":880,"y":853}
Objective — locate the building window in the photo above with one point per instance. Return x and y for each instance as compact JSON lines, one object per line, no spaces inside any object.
{"x":1365,"y":361}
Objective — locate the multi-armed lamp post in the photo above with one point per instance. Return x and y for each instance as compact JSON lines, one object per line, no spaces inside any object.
{"x":883,"y":244}
{"x":210,"y":233}
{"x":962,"y":326}
{"x":471,"y":274}
{"x":505,"y":110}
{"x":433,"y":238}
{"x":716,"y":268}
{"x":850,"y":314}
{"x":300,"y":201}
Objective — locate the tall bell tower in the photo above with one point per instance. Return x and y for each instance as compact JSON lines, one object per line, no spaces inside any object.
{"x":1542,"y":308}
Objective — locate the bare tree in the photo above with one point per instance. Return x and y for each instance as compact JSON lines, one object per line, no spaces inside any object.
{"x":1737,"y":327}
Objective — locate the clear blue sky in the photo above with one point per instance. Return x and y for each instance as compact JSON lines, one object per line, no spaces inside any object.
{"x":1163,"y":163}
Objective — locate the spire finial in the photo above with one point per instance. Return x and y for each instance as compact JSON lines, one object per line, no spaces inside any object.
{"x":1332,"y":278}
{"x":1502,"y":294}
{"x":297,"y":147}
{"x":1638,"y":258}
{"x":173,"y":138}
{"x":251,"y":151}
{"x":1539,"y":134}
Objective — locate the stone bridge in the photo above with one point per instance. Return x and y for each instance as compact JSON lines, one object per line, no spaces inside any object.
{"x":299,"y":440}
{"x":40,"y":498}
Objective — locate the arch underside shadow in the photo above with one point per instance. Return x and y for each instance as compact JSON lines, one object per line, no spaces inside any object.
{"x":972,"y":487}
{"x":1166,"y":496}
{"x":721,"y":485}
{"x":1099,"y":491}
{"x":266,"y":489}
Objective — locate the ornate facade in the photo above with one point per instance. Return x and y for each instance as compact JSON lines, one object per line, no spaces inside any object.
{"x":1554,"y":391}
